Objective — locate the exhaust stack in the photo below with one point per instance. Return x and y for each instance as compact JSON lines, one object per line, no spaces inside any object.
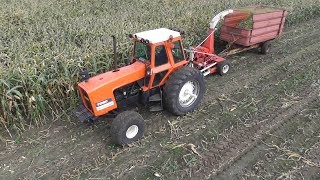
{"x":115,"y":57}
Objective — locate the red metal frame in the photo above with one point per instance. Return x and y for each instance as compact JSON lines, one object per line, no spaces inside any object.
{"x":204,"y":54}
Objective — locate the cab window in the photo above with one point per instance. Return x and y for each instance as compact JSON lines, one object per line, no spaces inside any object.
{"x":177,"y":52}
{"x":141,"y":52}
{"x":161,"y":56}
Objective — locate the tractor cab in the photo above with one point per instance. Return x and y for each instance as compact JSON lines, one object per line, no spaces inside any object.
{"x":161,"y":50}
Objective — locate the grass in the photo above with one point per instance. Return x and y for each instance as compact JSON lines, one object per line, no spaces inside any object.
{"x":44,"y":45}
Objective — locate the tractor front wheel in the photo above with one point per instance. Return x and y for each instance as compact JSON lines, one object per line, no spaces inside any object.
{"x":184,"y":91}
{"x":127,"y":127}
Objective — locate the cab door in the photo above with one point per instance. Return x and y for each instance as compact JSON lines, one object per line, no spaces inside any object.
{"x":161,"y":65}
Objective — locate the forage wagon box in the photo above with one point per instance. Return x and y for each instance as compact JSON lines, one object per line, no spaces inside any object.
{"x":253,"y":25}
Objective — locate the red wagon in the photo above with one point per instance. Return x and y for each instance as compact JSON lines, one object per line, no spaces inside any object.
{"x":252,"y":27}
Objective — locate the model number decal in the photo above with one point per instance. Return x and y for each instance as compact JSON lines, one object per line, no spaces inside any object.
{"x":104,"y":104}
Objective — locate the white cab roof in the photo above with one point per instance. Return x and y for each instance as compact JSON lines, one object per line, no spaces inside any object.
{"x":157,"y":35}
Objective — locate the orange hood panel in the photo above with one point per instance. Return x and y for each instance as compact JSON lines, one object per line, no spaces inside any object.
{"x":100,"y":88}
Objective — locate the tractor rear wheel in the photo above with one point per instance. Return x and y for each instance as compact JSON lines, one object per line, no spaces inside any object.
{"x":184,"y":91}
{"x":127,"y":127}
{"x":223,"y":67}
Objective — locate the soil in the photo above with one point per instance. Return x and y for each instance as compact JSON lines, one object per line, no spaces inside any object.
{"x":260,"y":121}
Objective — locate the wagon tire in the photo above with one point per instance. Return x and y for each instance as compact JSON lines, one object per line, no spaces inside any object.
{"x":184,"y":91}
{"x":265,"y":47}
{"x":223,"y":67}
{"x":127,"y":127}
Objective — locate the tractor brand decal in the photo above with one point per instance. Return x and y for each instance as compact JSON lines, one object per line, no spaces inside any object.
{"x":104,"y":104}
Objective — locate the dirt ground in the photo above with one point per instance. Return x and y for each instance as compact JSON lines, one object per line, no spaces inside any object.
{"x":261,"y":121}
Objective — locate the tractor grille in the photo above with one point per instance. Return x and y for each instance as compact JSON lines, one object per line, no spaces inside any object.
{"x":86,"y":99}
{"x":82,"y":113}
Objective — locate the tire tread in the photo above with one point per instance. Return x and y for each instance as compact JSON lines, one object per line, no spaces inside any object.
{"x":175,"y":82}
{"x":120,"y":124}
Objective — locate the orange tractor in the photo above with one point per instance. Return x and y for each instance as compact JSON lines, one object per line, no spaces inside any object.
{"x":159,"y":75}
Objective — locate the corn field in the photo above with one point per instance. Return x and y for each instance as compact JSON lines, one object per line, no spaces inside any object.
{"x":44,"y":44}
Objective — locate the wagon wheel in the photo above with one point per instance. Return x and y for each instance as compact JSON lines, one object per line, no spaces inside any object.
{"x":265,"y":47}
{"x":223,"y":67}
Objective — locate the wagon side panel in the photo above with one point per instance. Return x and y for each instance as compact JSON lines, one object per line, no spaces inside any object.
{"x":265,"y":26}
{"x":231,"y":33}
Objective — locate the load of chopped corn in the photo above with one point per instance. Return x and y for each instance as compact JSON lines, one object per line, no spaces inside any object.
{"x":248,"y":22}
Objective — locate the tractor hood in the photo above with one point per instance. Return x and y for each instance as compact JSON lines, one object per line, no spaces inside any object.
{"x":98,"y":90}
{"x":115,"y":79}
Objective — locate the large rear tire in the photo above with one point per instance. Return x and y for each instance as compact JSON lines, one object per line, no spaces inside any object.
{"x":127,"y":127}
{"x":184,"y":91}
